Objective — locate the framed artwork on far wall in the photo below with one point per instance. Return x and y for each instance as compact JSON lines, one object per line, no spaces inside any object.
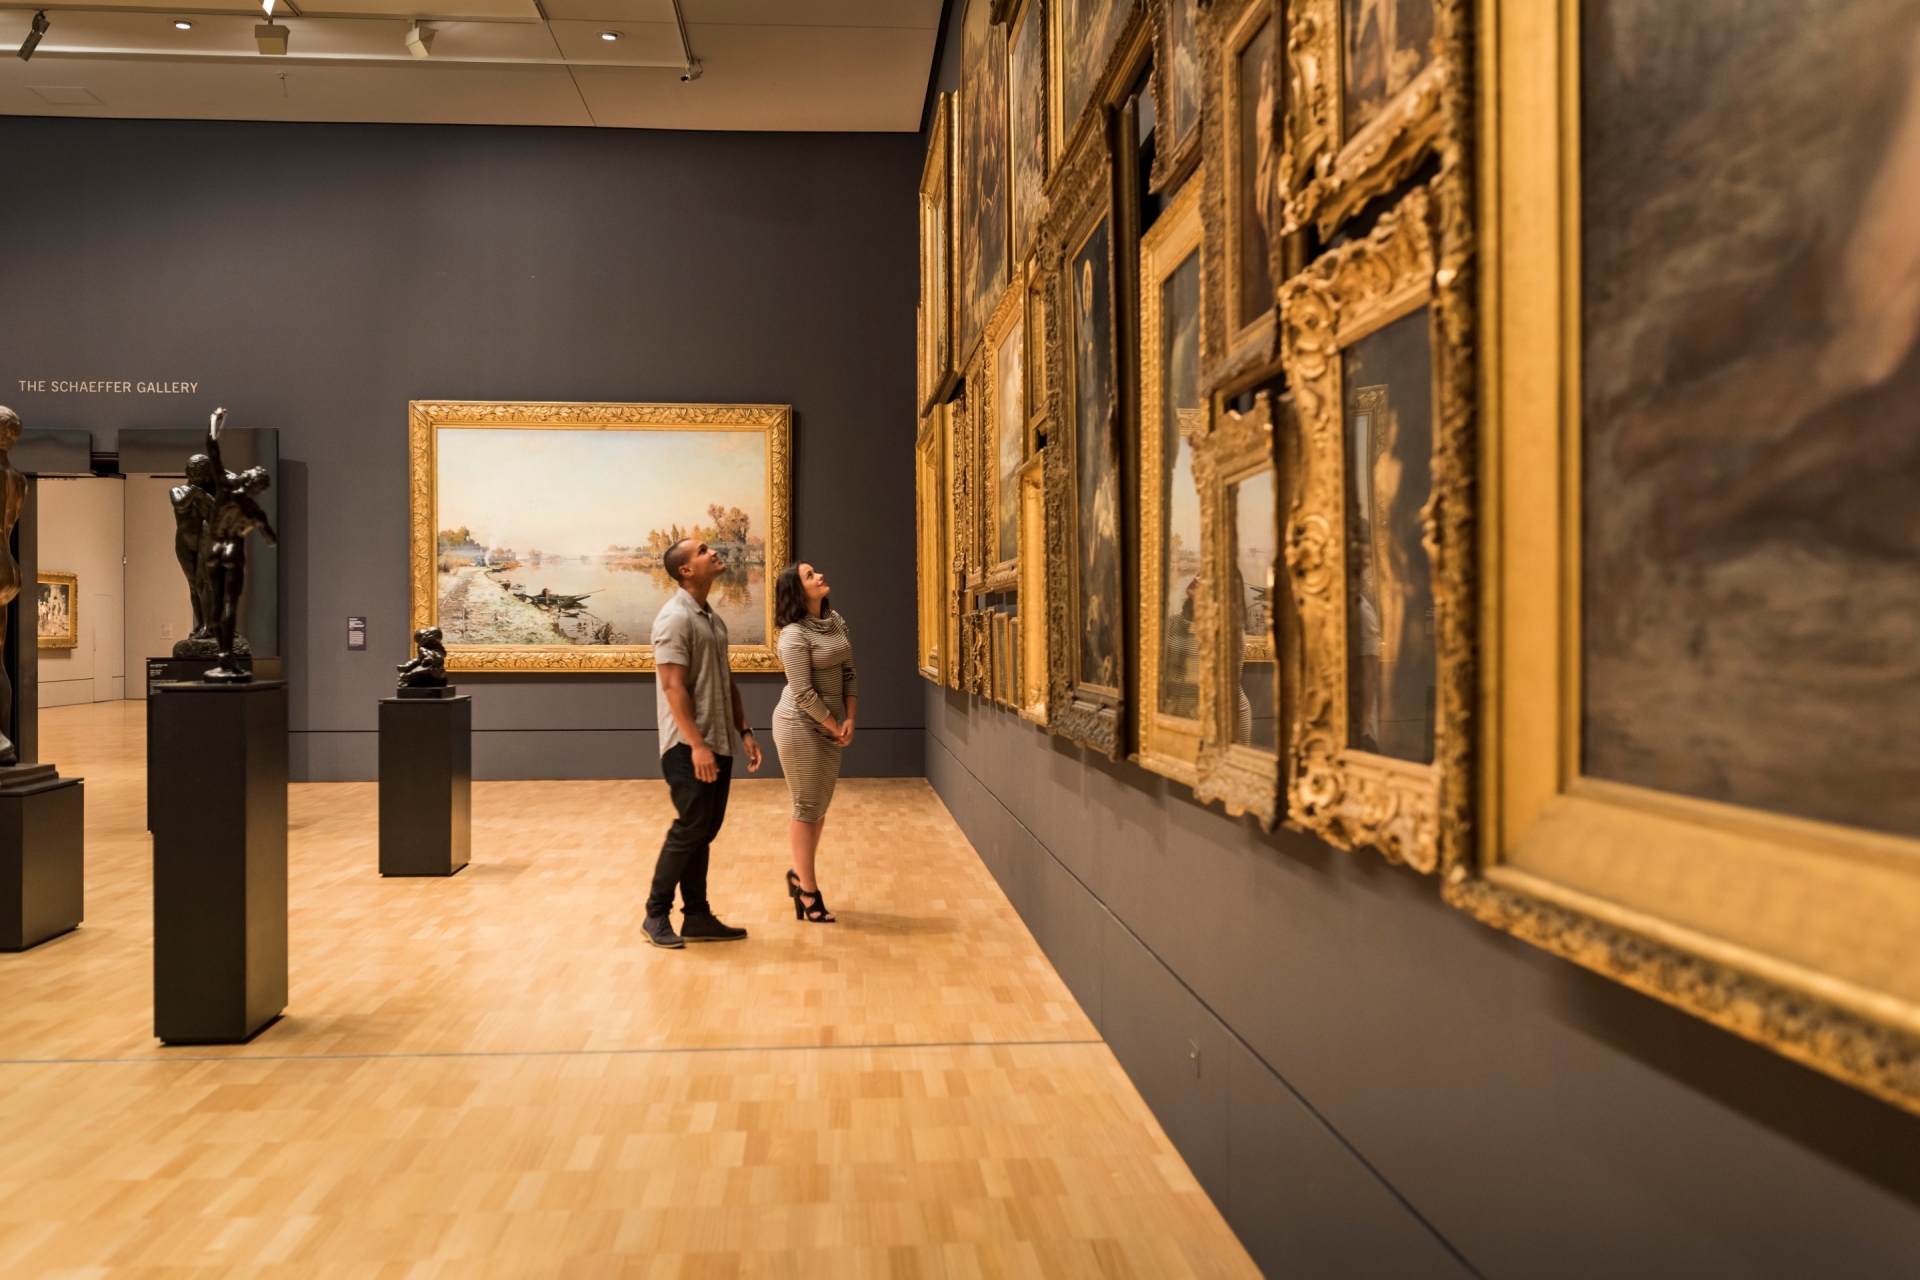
{"x":59,"y":611}
{"x":538,"y":529}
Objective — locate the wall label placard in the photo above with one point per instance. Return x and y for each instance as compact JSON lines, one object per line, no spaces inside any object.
{"x":107,"y":387}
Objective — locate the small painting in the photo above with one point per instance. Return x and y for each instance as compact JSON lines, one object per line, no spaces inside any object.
{"x":1097,"y":464}
{"x":1253,"y":174}
{"x":544,"y":529}
{"x":1256,"y":535}
{"x":1391,"y":659}
{"x":1750,"y":389}
{"x":1180,"y":415}
{"x":1087,"y":32}
{"x":1387,"y":44}
{"x":1183,"y":73}
{"x":1010,"y":430}
{"x":983,"y":172}
{"x":1027,"y":86}
{"x":936,"y":367}
{"x":59,"y":616}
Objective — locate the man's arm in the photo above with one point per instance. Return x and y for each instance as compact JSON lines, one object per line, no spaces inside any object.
{"x":673,"y":683}
{"x":740,"y":723}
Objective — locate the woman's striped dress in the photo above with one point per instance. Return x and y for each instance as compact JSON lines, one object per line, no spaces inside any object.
{"x":818,"y":656}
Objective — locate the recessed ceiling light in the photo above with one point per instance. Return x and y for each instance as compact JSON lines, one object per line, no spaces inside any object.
{"x":181,"y":24}
{"x":609,"y":35}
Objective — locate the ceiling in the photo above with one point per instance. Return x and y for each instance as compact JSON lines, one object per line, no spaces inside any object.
{"x":765,"y":64}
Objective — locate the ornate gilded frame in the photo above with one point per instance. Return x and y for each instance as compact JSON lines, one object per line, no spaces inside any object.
{"x":1168,"y":744}
{"x":1803,"y":936}
{"x":1244,"y":778}
{"x":1082,"y":198}
{"x":1064,"y":136}
{"x":71,"y":640}
{"x":1228,"y":26}
{"x":426,"y":418}
{"x":1032,"y":650}
{"x":1328,"y":176}
{"x":993,"y":573}
{"x":937,"y":333}
{"x":1174,"y":163}
{"x":1350,"y":797}
{"x":935,"y":586}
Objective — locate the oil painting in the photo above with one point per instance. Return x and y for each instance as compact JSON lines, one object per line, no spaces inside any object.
{"x":544,"y":528}
{"x":1183,"y":71}
{"x":1750,"y":390}
{"x":1010,"y":433}
{"x":936,"y":321}
{"x":1027,"y":90}
{"x":983,"y":172}
{"x":1252,"y":175}
{"x":1387,"y":44}
{"x":58,"y":619}
{"x":1085,"y":34}
{"x":1256,"y":532}
{"x":1096,"y":464}
{"x":1179,"y":561}
{"x":1391,"y":670}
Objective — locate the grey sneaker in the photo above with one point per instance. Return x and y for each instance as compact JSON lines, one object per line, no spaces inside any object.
{"x":660,"y":932}
{"x":707,"y":928}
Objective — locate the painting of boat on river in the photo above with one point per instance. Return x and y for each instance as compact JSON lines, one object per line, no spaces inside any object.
{"x":554,"y":537}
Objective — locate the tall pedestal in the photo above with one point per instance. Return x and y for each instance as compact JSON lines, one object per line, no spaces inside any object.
{"x":42,"y":855}
{"x":426,"y":784}
{"x":217,"y":792}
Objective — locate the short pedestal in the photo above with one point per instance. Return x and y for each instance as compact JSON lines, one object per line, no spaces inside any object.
{"x":426,"y":783}
{"x":42,"y":855}
{"x":217,"y":792}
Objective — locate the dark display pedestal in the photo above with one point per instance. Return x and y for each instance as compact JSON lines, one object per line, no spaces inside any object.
{"x":426,"y":782}
{"x":42,"y":855}
{"x":217,"y":793}
{"x":165,"y":670}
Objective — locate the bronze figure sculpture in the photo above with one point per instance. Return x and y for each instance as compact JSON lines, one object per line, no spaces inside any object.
{"x":429,"y":669}
{"x":192,"y":509}
{"x":235,"y":514}
{"x":13,"y":500}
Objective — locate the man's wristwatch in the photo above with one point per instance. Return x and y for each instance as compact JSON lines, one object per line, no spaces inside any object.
{"x":747,"y":732}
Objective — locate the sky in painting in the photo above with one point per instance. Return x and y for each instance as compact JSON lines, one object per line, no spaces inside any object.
{"x":576,"y":492}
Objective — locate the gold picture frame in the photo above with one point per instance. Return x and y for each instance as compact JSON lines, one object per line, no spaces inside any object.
{"x":1120,"y":25}
{"x":1177,"y":91}
{"x":938,"y":314}
{"x":1799,"y":934}
{"x":428,"y":418}
{"x":1169,"y":741}
{"x":1353,"y":795}
{"x":1240,"y":42}
{"x":1032,"y":647}
{"x":1230,"y":766}
{"x":935,"y":588}
{"x":1082,"y":230}
{"x":57,"y":610}
{"x":995,"y":507}
{"x":1350,"y":134}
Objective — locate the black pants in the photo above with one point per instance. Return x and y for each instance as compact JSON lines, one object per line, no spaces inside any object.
{"x":702,"y":807}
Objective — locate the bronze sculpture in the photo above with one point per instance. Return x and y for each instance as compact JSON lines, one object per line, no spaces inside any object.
{"x":429,"y":669}
{"x":192,"y":509}
{"x":13,"y":500}
{"x":234,"y":515}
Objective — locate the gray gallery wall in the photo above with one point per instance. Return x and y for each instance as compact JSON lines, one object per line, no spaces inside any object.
{"x":1386,"y":1088}
{"x":315,"y":278}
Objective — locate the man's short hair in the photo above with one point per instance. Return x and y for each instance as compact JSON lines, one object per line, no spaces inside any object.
{"x":677,"y":556}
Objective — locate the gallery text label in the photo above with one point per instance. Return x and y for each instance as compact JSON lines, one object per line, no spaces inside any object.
{"x":108,"y":387}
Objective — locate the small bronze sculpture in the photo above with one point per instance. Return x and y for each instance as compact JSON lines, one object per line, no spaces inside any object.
{"x":235,"y":515}
{"x":192,"y":509}
{"x":13,"y":500}
{"x":429,"y":669}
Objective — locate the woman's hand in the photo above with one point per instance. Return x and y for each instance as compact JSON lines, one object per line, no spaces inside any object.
{"x":832,"y":727}
{"x":845,"y":736}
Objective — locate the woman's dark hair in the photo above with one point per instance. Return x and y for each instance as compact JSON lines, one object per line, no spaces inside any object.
{"x":790,"y":597}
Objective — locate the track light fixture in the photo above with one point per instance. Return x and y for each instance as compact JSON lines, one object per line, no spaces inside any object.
{"x":271,"y":37}
{"x":692,"y":72}
{"x":419,"y":40}
{"x":181,"y":24}
{"x":32,"y":41}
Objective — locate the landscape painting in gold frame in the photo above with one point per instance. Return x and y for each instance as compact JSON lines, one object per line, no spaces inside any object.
{"x":1172,"y":416}
{"x":538,"y":529}
{"x":1799,"y":932}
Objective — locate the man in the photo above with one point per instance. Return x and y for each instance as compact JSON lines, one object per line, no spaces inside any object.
{"x":699,"y":707}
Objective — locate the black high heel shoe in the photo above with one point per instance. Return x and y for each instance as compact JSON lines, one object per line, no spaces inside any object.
{"x":793,"y":883}
{"x":816,"y":911}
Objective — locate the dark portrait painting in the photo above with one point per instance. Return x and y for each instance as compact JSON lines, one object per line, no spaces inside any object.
{"x":1096,"y":464}
{"x":1027,"y":86}
{"x":1387,"y":44}
{"x":1088,"y":31}
{"x":1253,"y":174}
{"x":1391,"y":660}
{"x":983,"y":171}
{"x":1750,"y":306}
{"x":1183,"y":75}
{"x":1180,"y":409}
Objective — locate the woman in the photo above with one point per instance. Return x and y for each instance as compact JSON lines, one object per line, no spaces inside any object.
{"x":814,"y":719}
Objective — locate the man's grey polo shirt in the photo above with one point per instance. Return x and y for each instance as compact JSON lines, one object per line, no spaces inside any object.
{"x":693,"y":636}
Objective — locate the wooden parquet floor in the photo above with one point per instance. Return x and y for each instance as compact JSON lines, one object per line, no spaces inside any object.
{"x":495,"y":1075}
